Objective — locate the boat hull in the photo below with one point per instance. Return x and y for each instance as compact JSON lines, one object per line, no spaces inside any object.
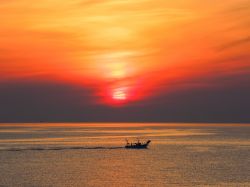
{"x":137,"y":147}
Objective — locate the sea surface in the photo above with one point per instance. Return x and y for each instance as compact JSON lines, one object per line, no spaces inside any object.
{"x":92,"y":155}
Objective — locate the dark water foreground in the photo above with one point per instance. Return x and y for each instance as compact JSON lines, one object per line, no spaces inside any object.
{"x":93,"y":155}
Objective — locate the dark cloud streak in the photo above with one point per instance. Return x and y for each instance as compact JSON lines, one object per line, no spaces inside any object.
{"x":235,"y":43}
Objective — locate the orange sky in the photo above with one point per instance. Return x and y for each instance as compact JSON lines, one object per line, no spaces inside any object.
{"x":125,"y":49}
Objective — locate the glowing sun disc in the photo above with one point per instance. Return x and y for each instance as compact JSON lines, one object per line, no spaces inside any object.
{"x":119,"y":95}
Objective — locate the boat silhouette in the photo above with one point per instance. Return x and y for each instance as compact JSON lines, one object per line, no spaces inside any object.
{"x":137,"y":145}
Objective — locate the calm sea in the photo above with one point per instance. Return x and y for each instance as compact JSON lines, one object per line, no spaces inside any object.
{"x":92,"y":155}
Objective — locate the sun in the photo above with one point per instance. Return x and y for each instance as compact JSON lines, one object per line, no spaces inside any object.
{"x":119,"y":95}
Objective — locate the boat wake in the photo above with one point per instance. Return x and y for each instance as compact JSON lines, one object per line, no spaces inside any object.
{"x":57,"y":148}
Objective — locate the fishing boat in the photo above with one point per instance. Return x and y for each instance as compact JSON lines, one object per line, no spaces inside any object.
{"x":137,"y":145}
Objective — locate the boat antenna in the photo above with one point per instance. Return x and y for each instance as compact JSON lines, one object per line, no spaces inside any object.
{"x":126,"y":140}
